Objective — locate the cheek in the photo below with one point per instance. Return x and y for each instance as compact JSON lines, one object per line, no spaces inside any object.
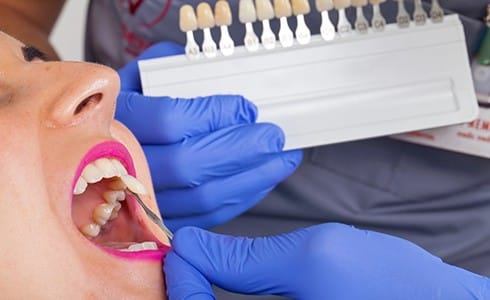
{"x":123,"y":135}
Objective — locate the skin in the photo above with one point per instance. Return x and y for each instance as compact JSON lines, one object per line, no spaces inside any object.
{"x":31,"y":21}
{"x":44,"y":255}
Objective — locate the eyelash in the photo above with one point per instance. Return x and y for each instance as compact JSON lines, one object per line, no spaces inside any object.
{"x":31,"y":53}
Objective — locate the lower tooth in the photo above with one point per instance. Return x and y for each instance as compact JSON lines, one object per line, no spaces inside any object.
{"x":142,"y":246}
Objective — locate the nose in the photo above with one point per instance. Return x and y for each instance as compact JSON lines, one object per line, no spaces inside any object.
{"x":79,"y":93}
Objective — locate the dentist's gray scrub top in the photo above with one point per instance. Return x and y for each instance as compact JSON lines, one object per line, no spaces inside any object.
{"x":437,"y":199}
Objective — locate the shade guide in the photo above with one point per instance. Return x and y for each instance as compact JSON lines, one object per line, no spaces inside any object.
{"x":300,"y":7}
{"x":222,"y":13}
{"x":246,"y":11}
{"x":187,"y":18}
{"x":205,"y":17}
{"x":265,"y":11}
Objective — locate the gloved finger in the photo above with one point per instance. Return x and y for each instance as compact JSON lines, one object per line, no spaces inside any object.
{"x":184,"y":281}
{"x":163,"y":120}
{"x":129,"y":74}
{"x":229,"y":190}
{"x":222,"y":153}
{"x":239,"y":264}
{"x":219,"y":216}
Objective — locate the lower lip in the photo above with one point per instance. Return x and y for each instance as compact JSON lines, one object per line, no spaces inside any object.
{"x":152,"y":255}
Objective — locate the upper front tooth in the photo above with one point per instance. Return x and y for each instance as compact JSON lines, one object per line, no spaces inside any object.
{"x":80,"y":186}
{"x":92,"y":174}
{"x":106,"y":167}
{"x":119,"y":167}
{"x":134,"y":185}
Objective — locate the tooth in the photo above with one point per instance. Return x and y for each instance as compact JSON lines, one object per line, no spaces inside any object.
{"x":106,"y":167}
{"x":143,"y":246}
{"x":115,"y":210}
{"x":90,"y":230}
{"x":80,"y":186}
{"x":117,"y":185}
{"x":121,"y":170}
{"x":92,"y":174}
{"x":134,"y":185}
{"x":150,"y":245}
{"x":102,"y":213}
{"x":113,"y":196}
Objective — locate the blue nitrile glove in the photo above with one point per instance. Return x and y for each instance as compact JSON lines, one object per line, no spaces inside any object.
{"x":209,"y":160}
{"x":328,"y":261}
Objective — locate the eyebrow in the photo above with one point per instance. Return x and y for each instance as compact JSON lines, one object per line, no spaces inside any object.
{"x":31,"y":53}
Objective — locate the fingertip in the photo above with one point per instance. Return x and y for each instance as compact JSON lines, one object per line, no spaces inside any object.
{"x":187,"y":237}
{"x":249,"y":107}
{"x":243,"y":110}
{"x":269,"y":135}
{"x":294,"y":157}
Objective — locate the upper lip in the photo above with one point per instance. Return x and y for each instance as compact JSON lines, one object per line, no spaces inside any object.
{"x":115,"y":150}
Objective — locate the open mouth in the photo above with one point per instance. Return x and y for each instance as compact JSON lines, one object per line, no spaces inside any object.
{"x":102,"y":209}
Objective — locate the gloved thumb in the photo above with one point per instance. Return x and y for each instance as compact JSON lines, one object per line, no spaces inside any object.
{"x":183,"y":281}
{"x":239,"y":264}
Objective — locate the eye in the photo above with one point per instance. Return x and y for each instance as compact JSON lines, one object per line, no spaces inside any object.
{"x":31,"y":53}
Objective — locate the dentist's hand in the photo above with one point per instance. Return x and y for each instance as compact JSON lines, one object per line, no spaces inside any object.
{"x":209,"y":160}
{"x":329,"y":261}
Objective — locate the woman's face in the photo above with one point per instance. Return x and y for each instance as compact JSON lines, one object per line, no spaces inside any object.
{"x":57,"y":133}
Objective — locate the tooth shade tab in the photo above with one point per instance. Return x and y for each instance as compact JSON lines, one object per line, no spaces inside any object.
{"x":205,"y":17}
{"x":246,"y":11}
{"x":341,"y":4}
{"x":187,"y":18}
{"x":300,"y":7}
{"x":376,"y":2}
{"x":265,"y":11}
{"x":358,"y":3}
{"x":282,"y":8}
{"x":222,"y":13}
{"x":323,"y":5}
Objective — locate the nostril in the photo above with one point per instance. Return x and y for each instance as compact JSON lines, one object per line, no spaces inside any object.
{"x":88,"y":102}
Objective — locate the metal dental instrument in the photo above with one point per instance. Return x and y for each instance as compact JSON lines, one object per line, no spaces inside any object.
{"x":154,"y":217}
